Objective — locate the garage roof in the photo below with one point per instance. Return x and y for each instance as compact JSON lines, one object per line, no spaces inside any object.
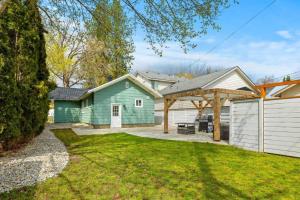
{"x":61,"y":93}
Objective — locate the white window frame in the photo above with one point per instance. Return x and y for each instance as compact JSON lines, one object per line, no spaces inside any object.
{"x":139,"y":106}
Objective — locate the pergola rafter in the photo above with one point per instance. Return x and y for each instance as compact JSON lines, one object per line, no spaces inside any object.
{"x":215,"y":97}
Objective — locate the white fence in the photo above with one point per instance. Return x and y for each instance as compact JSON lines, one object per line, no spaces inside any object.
{"x":271,"y":126}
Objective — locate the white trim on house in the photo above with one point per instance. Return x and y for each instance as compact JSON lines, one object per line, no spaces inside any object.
{"x":130,"y":77}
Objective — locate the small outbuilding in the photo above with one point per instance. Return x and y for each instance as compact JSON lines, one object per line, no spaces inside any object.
{"x":123,"y":102}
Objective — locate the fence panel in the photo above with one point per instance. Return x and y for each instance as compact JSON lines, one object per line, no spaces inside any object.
{"x":244,"y":124}
{"x":282,"y":126}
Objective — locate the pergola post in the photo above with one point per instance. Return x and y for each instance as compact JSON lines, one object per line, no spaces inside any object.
{"x":166,"y":116}
{"x":217,"y":114}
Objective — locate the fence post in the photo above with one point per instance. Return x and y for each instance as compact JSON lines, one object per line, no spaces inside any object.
{"x":261,"y":125}
{"x":231,"y":122}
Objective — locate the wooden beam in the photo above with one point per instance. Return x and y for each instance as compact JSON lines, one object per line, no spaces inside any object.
{"x":193,"y":102}
{"x":171,"y":103}
{"x":217,"y":115}
{"x":270,"y":85}
{"x":263,"y":92}
{"x":197,"y":92}
{"x":166,"y":115}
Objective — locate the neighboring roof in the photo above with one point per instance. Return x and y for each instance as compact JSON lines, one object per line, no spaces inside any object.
{"x":130,"y":77}
{"x":203,"y":81}
{"x":161,"y":77}
{"x":280,"y":89}
{"x":72,"y":94}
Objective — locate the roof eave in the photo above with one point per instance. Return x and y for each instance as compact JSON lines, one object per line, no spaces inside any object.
{"x":129,"y":76}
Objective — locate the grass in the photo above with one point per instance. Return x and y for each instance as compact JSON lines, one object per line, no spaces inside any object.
{"x":121,"y":166}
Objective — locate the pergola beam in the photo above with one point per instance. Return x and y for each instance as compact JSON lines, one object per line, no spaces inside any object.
{"x":201,"y":92}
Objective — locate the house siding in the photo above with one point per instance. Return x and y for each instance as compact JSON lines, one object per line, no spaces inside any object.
{"x":293,"y":91}
{"x":87,"y":110}
{"x":66,"y":111}
{"x":231,"y":81}
{"x":118,"y":93}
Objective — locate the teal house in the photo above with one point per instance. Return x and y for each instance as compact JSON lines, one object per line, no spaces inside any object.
{"x":123,"y":102}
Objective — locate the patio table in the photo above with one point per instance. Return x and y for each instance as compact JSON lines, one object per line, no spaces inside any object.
{"x":185,"y":128}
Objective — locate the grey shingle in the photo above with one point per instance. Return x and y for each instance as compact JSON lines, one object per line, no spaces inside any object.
{"x":61,"y":93}
{"x":161,"y":77}
{"x":195,"y":83}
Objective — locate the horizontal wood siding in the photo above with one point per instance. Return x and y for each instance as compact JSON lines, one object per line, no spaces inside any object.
{"x":245,"y":124}
{"x":66,"y":111}
{"x":87,"y":110}
{"x":282,"y":127}
{"x":118,"y":93}
{"x":231,"y":81}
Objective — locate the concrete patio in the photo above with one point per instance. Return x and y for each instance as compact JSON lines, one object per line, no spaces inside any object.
{"x":150,"y":132}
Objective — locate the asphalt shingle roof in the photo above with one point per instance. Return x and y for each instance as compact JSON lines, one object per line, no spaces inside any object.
{"x":195,"y":83}
{"x":61,"y":93}
{"x":161,"y":77}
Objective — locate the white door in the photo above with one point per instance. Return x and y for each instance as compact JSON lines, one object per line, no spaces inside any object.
{"x":116,"y":116}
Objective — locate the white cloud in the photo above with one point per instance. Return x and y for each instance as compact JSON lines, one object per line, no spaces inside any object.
{"x":257,"y":58}
{"x":284,"y":34}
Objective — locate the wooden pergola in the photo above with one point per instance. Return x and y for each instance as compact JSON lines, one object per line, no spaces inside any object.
{"x":201,"y":98}
{"x":263,"y":88}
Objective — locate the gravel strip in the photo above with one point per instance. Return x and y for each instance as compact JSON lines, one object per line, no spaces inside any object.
{"x":44,"y":157}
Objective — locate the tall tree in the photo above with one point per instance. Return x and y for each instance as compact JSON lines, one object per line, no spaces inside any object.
{"x":161,"y":20}
{"x":111,"y":40}
{"x":24,"y":81}
{"x":94,"y":63}
{"x":64,"y":51}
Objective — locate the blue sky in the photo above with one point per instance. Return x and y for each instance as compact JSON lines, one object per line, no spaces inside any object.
{"x":269,"y":45}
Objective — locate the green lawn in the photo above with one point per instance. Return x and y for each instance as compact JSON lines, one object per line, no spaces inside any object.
{"x":121,"y":166}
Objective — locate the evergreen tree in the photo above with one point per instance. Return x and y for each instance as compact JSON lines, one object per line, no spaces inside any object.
{"x":24,"y":81}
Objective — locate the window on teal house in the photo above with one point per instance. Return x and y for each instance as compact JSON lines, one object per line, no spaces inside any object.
{"x":139,"y":103}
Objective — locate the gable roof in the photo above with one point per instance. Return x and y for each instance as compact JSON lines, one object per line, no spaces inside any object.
{"x":203,"y":81}
{"x":127,"y":76}
{"x":275,"y":92}
{"x":155,"y":76}
{"x":61,"y":93}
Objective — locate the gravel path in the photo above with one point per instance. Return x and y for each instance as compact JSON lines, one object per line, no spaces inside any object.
{"x":44,"y":157}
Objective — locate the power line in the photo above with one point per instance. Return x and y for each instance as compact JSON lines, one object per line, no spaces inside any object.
{"x":294,"y":74}
{"x":237,"y":30}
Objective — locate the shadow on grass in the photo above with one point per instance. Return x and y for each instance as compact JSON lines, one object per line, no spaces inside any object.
{"x":212,"y":187}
